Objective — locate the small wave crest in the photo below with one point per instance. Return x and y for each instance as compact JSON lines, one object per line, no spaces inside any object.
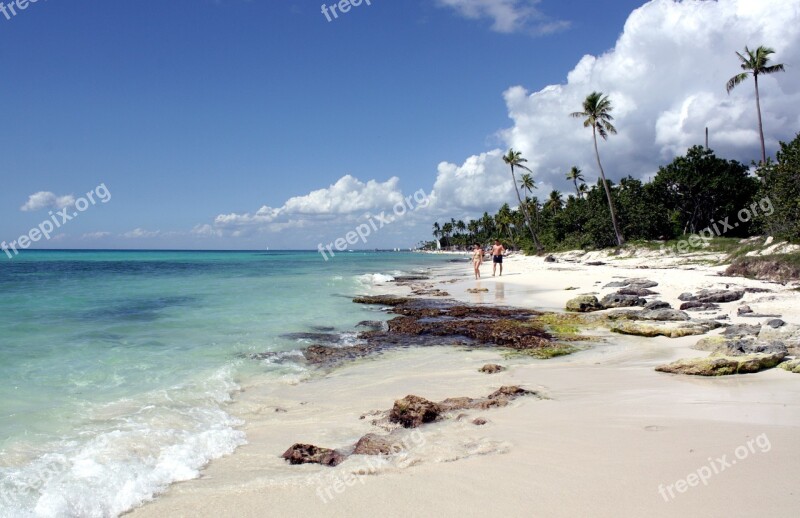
{"x":126,"y":453}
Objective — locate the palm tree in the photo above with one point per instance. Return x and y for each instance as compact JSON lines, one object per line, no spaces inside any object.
{"x":575,"y":174}
{"x":554,"y":202}
{"x":755,"y":62}
{"x":583,"y":190}
{"x":505,"y":219}
{"x":597,"y":113}
{"x":447,"y":229}
{"x":526,"y":183}
{"x":514,"y":159}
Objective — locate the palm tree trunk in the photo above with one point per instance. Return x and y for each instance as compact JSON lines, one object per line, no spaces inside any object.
{"x":577,"y":191}
{"x":620,"y":239}
{"x":525,"y":212}
{"x":760,"y":126}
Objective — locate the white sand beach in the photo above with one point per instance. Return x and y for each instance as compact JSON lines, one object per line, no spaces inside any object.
{"x":615,"y":438}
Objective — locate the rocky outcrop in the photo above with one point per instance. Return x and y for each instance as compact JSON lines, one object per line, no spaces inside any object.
{"x":413,"y":411}
{"x":632,"y":283}
{"x":639,"y":292}
{"x":381,"y":300}
{"x":310,"y":454}
{"x":699,"y":306}
{"x":721,"y":365}
{"x":657,"y":304}
{"x":584,"y":304}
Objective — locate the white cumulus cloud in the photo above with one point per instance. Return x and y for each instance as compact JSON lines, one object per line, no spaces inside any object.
{"x":666,"y":78}
{"x":47,"y":200}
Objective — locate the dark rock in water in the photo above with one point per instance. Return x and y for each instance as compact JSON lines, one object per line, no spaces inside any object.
{"x":595,"y":263}
{"x":509,"y":392}
{"x":374,"y":444}
{"x":686,"y":297}
{"x":371,"y":324}
{"x":381,"y":300}
{"x":491,"y":368}
{"x":639,"y":292}
{"x":456,"y":403}
{"x":479,"y":421}
{"x":410,"y":278}
{"x":657,"y":304}
{"x":550,"y":259}
{"x":741,"y":330}
{"x":698,"y":306}
{"x":478,"y":290}
{"x":310,"y":454}
{"x":775,"y":323}
{"x":321,"y":355}
{"x":326,"y":338}
{"x":757,"y":290}
{"x":743,"y":310}
{"x":322,"y":329}
{"x":413,"y":411}
{"x":584,"y":304}
{"x":615,"y":300}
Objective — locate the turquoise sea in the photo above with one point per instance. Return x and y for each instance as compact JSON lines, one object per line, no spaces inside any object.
{"x":116,"y":367}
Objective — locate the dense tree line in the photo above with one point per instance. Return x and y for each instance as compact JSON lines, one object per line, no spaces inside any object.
{"x":690,"y":195}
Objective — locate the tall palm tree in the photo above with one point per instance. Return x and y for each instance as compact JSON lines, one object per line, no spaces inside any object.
{"x":575,"y":174}
{"x":583,"y":190}
{"x":755,"y":62}
{"x":597,"y":112}
{"x":514,"y":159}
{"x":447,"y":229}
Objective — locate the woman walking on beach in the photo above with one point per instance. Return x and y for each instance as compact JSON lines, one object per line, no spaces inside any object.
{"x":477,"y":260}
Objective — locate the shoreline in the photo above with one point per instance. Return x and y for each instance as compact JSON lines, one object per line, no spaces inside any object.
{"x":608,"y":410}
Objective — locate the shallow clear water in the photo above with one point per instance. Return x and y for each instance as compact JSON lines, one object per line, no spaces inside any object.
{"x":116,"y":367}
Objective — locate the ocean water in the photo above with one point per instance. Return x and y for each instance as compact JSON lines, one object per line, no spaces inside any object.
{"x":116,"y":367}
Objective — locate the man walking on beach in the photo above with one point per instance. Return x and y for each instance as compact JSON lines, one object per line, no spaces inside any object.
{"x":497,"y":256}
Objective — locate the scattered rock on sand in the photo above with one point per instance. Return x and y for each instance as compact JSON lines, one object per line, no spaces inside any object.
{"x":698,"y":306}
{"x":615,"y":300}
{"x":791,"y":366}
{"x":413,"y":411}
{"x":491,"y":368}
{"x":584,"y":304}
{"x":478,"y":290}
{"x":668,"y":329}
{"x":310,"y":454}
{"x":744,"y":310}
{"x":550,"y":259}
{"x":479,"y":421}
{"x":713,"y":296}
{"x":662,"y":315}
{"x":374,"y":444}
{"x":657,"y":304}
{"x":639,"y":292}
{"x":720,"y":365}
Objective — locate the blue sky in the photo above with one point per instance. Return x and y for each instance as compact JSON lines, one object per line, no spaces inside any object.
{"x":187,"y":110}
